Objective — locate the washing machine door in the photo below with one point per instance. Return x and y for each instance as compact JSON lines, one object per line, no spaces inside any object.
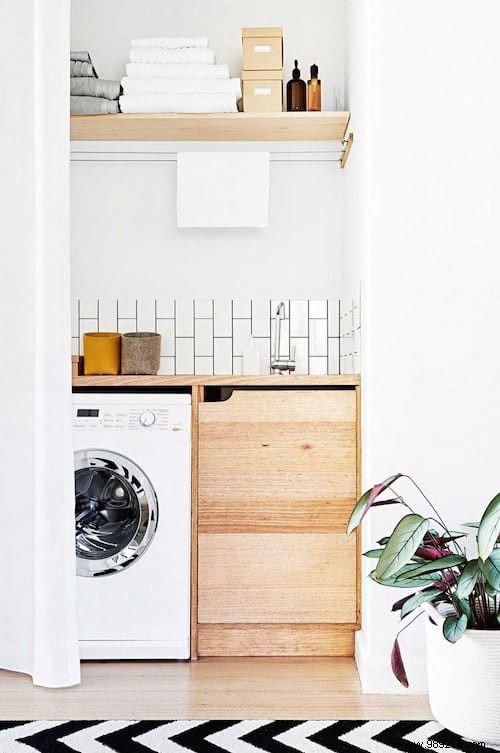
{"x":116,"y":512}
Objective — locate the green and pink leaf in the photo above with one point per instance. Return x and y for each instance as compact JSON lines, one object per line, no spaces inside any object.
{"x":397,"y":665}
{"x":367,"y":501}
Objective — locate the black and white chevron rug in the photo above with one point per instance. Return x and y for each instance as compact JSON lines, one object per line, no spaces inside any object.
{"x":248,"y":736}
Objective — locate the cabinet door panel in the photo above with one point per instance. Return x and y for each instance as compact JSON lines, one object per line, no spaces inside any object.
{"x":275,"y":640}
{"x":278,"y":461}
{"x":277,"y":578}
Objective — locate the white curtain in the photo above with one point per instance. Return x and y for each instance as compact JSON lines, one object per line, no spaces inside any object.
{"x":38,"y":632}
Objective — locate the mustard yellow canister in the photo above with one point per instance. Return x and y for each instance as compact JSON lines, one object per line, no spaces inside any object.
{"x":101,"y":353}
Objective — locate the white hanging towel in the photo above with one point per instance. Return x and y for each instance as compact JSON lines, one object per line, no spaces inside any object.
{"x":165,"y":85}
{"x":222,"y":189}
{"x":170,"y":43}
{"x":181,"y":70}
{"x":182,"y":56}
{"x":178,"y":103}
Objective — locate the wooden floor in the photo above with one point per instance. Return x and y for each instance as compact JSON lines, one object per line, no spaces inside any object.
{"x":209,"y":689}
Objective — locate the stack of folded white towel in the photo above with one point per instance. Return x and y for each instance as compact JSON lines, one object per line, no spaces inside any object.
{"x":177,"y":74}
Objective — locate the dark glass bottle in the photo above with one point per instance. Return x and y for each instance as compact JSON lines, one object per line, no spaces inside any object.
{"x":296,"y":92}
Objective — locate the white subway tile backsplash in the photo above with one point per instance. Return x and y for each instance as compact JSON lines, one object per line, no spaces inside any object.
{"x":299,"y":319}
{"x":301,"y":345}
{"x":203,"y":309}
{"x":75,"y":319}
{"x":167,"y":365}
{"x":241,"y":309}
{"x":348,"y":364}
{"x":318,"y":365}
{"x":127,"y":325}
{"x":203,"y":365}
{"x":263,"y":345}
{"x":318,"y":337}
{"x":127,"y":308}
{"x":223,"y":355}
{"x":108,"y":315}
{"x":223,"y":319}
{"x":334,"y":355}
{"x":346,"y":346}
{"x":146,"y":316}
{"x":333,"y":318}
{"x":238,"y":365}
{"x":184,"y":355}
{"x":88,"y":309}
{"x":318,"y":310}
{"x":261,"y":318}
{"x":203,"y":337}
{"x":87,"y":325}
{"x":357,"y":316}
{"x":210,"y":336}
{"x":241,"y":333}
{"x":166,"y":328}
{"x":346,"y":305}
{"x":184,"y":318}
{"x":165,"y":309}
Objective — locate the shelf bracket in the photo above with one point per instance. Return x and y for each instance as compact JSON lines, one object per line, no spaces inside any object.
{"x":347,"y":143}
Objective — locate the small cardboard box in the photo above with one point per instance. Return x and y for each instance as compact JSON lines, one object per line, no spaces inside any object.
{"x":262,"y":49}
{"x":262,"y":91}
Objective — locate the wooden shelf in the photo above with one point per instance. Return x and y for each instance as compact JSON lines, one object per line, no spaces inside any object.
{"x":242,"y":126}
{"x":218,"y":381}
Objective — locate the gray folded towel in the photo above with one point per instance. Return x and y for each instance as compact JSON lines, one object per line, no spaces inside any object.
{"x":84,"y":57}
{"x":80,"y":68}
{"x":92,"y":106}
{"x":84,"y":86}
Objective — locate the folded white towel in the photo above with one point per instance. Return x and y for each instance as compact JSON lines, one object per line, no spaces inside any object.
{"x":164,"y":85}
{"x":170,"y":43}
{"x":187,"y":70}
{"x":222,"y":189}
{"x":183,"y":55}
{"x":181,"y":103}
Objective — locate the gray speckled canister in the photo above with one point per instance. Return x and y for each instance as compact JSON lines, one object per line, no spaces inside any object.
{"x":141,"y":353}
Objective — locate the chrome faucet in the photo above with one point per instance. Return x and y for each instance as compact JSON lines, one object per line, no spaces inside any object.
{"x":279,"y":365}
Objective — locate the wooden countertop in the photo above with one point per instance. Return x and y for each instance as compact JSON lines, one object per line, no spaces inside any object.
{"x":331,"y":380}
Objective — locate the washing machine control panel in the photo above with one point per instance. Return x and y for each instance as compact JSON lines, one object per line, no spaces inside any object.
{"x":127,"y":418}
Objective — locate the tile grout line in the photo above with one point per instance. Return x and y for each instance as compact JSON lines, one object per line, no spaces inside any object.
{"x":213,"y":335}
{"x":232,"y":337}
{"x":308,"y":337}
{"x":175,"y":336}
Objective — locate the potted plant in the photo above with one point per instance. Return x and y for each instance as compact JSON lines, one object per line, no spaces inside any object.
{"x":460,"y":596}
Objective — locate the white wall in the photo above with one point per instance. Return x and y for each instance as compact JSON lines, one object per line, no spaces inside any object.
{"x":430,"y":276}
{"x":125,"y":242}
{"x":358,"y":93}
{"x":313,"y":34}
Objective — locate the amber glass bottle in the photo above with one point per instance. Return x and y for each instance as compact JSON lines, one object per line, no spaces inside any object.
{"x":314,"y":91}
{"x":296,"y":92}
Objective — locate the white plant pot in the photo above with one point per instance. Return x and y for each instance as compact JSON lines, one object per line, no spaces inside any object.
{"x":464,"y":681}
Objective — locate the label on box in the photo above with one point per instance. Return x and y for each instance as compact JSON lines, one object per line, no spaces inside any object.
{"x":259,"y":48}
{"x":262,"y":92}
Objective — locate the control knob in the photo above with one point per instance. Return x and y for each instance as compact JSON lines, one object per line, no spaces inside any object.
{"x":147,"y":418}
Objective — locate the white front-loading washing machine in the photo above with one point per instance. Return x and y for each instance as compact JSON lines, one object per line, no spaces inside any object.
{"x":132,"y":457}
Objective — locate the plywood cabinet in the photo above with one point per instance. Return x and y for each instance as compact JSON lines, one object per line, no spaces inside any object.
{"x":277,"y":480}
{"x":276,"y":578}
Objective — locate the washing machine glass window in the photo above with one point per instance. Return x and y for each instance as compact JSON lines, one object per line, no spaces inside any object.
{"x":116,"y":512}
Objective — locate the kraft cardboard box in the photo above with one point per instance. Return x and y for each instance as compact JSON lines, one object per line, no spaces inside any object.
{"x":262,"y":49}
{"x":262,"y":91}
